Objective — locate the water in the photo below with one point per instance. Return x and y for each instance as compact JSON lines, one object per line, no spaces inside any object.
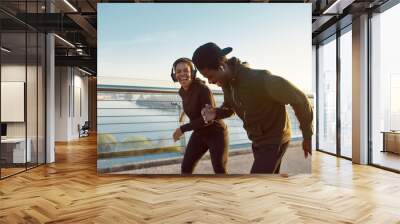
{"x":146,"y":120}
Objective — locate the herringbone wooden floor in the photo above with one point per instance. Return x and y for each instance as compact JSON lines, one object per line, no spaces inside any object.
{"x":70,"y":191}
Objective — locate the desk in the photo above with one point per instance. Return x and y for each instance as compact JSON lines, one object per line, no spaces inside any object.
{"x":16,"y":147}
{"x":391,"y":141}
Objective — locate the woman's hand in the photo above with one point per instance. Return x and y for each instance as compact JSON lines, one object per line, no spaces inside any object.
{"x":177,"y":134}
{"x":208,"y":113}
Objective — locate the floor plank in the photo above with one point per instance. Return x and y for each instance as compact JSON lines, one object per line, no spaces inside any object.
{"x":70,"y":191}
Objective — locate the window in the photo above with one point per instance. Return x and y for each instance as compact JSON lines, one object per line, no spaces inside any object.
{"x":346,"y":93}
{"x":23,"y":76}
{"x":327,"y":96}
{"x":385,"y":89}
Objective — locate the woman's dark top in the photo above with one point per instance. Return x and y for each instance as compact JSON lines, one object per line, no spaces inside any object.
{"x":194,"y":99}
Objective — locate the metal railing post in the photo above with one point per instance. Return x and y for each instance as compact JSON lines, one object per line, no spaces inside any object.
{"x":183,"y":138}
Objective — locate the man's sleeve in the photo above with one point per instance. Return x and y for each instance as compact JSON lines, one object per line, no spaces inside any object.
{"x":281,"y":90}
{"x":225,"y":110}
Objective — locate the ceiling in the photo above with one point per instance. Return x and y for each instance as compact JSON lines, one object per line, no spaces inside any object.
{"x":76,"y":22}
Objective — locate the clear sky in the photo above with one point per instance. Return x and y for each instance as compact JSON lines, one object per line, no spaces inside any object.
{"x":137,"y":43}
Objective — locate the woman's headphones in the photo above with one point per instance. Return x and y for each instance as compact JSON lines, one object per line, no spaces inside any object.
{"x":185,"y":60}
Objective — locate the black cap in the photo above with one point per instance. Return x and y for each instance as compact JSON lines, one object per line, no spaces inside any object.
{"x":208,"y":55}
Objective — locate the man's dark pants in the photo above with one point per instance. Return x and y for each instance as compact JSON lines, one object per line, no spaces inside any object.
{"x":267,"y":158}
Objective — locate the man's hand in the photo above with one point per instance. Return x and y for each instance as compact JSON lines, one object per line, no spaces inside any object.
{"x":177,"y":134}
{"x":307,"y":148}
{"x":208,"y":113}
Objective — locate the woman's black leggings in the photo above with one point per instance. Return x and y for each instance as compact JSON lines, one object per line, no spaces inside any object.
{"x":217,"y":143}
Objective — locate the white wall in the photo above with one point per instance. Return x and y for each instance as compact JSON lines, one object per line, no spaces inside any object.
{"x":71,"y":94}
{"x":33,"y":126}
{"x":12,"y":101}
{"x":17,"y":73}
{"x":62,"y":81}
{"x":82,"y":82}
{"x":13,"y":72}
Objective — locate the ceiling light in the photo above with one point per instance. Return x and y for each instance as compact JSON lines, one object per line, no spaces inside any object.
{"x":71,"y":6}
{"x":84,"y":71}
{"x":64,"y":40}
{"x":338,"y":6}
{"x":332,"y":9}
{"x":5,"y":50}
